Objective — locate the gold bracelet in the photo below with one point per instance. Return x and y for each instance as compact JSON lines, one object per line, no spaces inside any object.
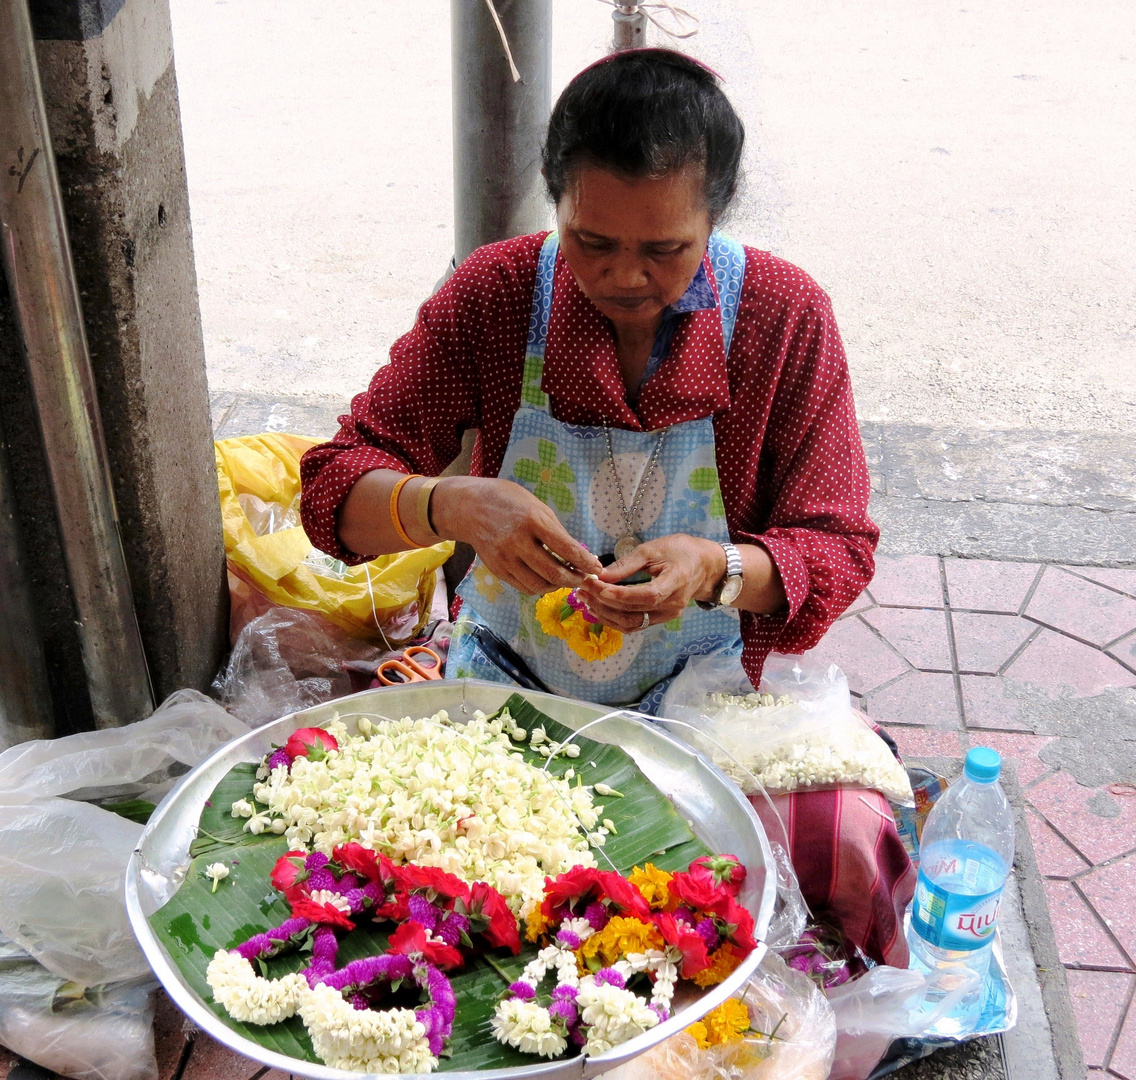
{"x":396,"y":521}
{"x":424,"y":493}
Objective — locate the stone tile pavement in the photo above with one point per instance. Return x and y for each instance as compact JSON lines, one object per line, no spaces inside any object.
{"x":1039,"y":662}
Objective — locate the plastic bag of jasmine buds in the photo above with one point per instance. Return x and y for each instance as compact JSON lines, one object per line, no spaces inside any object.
{"x":798,"y":732}
{"x":791,"y":1036}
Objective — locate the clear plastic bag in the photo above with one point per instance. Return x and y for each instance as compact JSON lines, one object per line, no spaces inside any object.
{"x":808,"y":737}
{"x":783,"y":1004}
{"x":880,"y":1006}
{"x":91,"y":1033}
{"x":62,"y":886}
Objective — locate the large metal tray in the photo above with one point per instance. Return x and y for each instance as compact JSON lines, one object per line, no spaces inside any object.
{"x":716,"y":809}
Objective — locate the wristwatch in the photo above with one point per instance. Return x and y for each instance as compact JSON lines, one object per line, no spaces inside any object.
{"x":728,"y":589}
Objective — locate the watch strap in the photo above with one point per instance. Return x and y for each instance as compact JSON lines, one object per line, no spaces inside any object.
{"x":733,"y":570}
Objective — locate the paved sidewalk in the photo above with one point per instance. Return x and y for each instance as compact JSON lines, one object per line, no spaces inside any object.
{"x":1039,"y":662}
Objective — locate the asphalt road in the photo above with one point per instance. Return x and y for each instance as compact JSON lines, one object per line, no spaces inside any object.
{"x":959,"y":178}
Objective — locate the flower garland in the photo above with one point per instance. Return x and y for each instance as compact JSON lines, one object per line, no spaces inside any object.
{"x":438,"y":916}
{"x":603,"y":933}
{"x":562,"y":614}
{"x":432,"y":793}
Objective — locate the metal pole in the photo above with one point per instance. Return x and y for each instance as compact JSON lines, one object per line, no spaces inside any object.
{"x":499,"y":124}
{"x":630,"y":27}
{"x":25,"y":700}
{"x":45,"y":300}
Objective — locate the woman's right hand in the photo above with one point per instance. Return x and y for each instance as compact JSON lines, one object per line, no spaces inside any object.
{"x":509,"y":528}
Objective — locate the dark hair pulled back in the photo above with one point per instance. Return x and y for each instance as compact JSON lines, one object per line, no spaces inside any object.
{"x":645,"y":113}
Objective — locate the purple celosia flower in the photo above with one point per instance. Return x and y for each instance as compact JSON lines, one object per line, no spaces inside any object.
{"x":315,"y":860}
{"x":611,"y":977}
{"x":684,"y":915}
{"x":371,"y":969}
{"x":568,"y":938}
{"x":360,"y":1002}
{"x":357,"y":899}
{"x":373,"y":891}
{"x":597,"y":916}
{"x":422,"y":911}
{"x":565,"y":993}
{"x":576,"y":604}
{"x":255,"y":947}
{"x":709,"y":933}
{"x":577,"y":1037}
{"x":564,"y":1010}
{"x":321,"y":878}
{"x":449,"y":932}
{"x":325,"y":945}
{"x":522,"y":990}
{"x":660,"y":1012}
{"x":279,"y":757}
{"x":347,"y":883}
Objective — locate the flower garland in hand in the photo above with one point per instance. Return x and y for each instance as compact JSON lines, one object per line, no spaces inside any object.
{"x":562,"y":614}
{"x":603,"y":933}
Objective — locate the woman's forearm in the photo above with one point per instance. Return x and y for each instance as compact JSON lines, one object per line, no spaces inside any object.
{"x":762,"y":590}
{"x":365,"y":523}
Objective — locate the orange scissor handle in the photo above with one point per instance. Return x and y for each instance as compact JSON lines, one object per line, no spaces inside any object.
{"x":405,"y":668}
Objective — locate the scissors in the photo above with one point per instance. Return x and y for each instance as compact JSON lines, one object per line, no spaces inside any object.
{"x":406,"y":669}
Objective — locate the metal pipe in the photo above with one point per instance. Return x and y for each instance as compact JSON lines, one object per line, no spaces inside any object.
{"x":499,"y":124}
{"x":25,"y":699}
{"x":45,"y":301}
{"x":630,"y":31}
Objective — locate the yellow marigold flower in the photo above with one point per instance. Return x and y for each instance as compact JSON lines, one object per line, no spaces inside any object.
{"x":723,"y":961}
{"x":652,"y":883}
{"x":590,"y":640}
{"x":548,"y":612}
{"x":700,"y":1035}
{"x":621,"y":936}
{"x":727,"y":1022}
{"x":535,"y":923}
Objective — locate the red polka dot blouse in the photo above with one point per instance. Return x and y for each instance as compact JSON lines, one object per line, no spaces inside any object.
{"x":790,"y":459}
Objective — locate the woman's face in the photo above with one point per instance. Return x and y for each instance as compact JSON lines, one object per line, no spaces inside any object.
{"x":633,"y":245}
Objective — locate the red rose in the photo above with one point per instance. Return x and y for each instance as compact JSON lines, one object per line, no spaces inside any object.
{"x":619,"y":891}
{"x":698,"y":893}
{"x":414,"y":878}
{"x":724,"y":870}
{"x":687,"y":941}
{"x":395,"y":909}
{"x":410,"y":938}
{"x":364,"y":862}
{"x":327,"y":914}
{"x":288,"y":875}
{"x":566,"y":888}
{"x":310,"y":742}
{"x":490,"y":916}
{"x":735,"y":922}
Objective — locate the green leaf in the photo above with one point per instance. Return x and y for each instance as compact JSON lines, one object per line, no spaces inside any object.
{"x":133,"y":809}
{"x":194,"y":923}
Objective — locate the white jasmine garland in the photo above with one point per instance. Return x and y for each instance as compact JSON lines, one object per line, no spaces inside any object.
{"x":428,"y":791}
{"x":611,"y":1016}
{"x":364,"y":1040}
{"x":248,"y":997}
{"x":529,"y":1027}
{"x":243,"y":808}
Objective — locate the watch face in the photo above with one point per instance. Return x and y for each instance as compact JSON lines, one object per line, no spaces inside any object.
{"x":730,"y":590}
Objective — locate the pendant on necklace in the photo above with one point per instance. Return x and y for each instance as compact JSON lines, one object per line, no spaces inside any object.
{"x":626,"y":544}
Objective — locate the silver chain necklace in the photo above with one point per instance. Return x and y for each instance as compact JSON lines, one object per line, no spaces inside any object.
{"x":628,"y":542}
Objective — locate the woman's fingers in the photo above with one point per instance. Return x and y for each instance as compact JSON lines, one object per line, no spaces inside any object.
{"x":562,"y":546}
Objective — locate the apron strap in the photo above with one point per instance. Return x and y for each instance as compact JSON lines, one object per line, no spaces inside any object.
{"x":531,"y":393}
{"x":728,"y":258}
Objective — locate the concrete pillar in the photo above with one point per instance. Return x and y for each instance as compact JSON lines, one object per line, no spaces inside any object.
{"x":108,"y":79}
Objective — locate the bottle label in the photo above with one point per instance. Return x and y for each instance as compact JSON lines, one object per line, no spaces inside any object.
{"x":958,"y":921}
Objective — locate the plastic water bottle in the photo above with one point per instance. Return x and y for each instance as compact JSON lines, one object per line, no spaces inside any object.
{"x":965,"y":855}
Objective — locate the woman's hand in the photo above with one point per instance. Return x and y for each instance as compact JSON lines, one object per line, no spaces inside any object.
{"x":510,"y":528}
{"x":682,"y":568}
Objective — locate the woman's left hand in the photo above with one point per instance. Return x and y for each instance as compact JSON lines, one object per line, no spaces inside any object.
{"x":682,"y":568}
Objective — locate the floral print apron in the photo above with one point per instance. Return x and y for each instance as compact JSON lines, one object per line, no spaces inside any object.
{"x":568,"y":467}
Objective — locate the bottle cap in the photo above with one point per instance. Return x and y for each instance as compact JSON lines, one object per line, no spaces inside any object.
{"x":983,"y":764}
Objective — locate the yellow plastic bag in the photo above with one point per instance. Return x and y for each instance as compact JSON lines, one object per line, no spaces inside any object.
{"x":269,"y":553}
